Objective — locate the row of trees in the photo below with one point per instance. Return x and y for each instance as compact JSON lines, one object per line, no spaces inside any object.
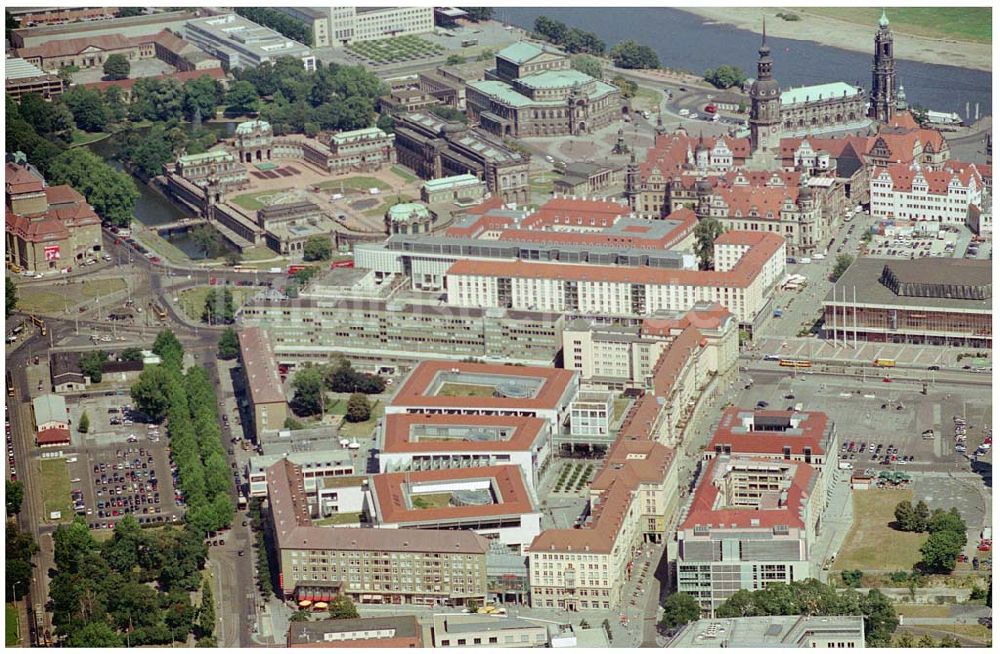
{"x":843,"y":262}
{"x":341,"y":608}
{"x":264,"y":583}
{"x":947,"y":534}
{"x":21,"y":546}
{"x":279,"y":22}
{"x":133,"y":589}
{"x":220,"y":308}
{"x":292,"y":99}
{"x":570,"y":39}
{"x":10,"y":297}
{"x":725,"y":76}
{"x":312,"y":382}
{"x":229,"y":345}
{"x":188,"y":402}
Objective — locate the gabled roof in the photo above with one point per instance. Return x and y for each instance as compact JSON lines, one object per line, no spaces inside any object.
{"x":524,"y":51}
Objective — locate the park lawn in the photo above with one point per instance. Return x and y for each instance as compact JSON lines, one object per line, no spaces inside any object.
{"x":542,"y":182}
{"x":960,"y":23}
{"x":55,"y":488}
{"x":361,"y":183}
{"x":450,"y":389}
{"x":922,"y":610}
{"x":192,"y":300}
{"x":401,"y":172}
{"x":43,"y":300}
{"x":380,"y":209}
{"x":362,"y":429}
{"x":257,"y":199}
{"x":338,"y":519}
{"x":11,"y":620}
{"x":872,"y":544}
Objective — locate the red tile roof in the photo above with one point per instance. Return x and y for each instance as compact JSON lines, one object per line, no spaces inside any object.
{"x":260,"y":367}
{"x":390,"y":494}
{"x":63,"y":194}
{"x":703,"y":512}
{"x":711,"y":317}
{"x":811,"y":432}
{"x":763,"y":245}
{"x":903,"y":176}
{"x":18,"y":180}
{"x":398,"y":429}
{"x":413,"y":392}
{"x":53,"y":436}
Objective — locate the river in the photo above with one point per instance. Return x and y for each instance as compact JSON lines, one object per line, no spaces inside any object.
{"x":152,"y":208}
{"x":685,"y":41}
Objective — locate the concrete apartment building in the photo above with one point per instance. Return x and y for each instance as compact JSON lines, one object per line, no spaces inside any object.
{"x":239,"y":42}
{"x":435,"y":148}
{"x":371,"y":566}
{"x":776,"y":631}
{"x":47,"y":227}
{"x":393,"y":631}
{"x":621,"y":356}
{"x":314,"y":466}
{"x":352,"y":24}
{"x":415,"y":442}
{"x":496,"y":390}
{"x":260,"y":376}
{"x":750,"y":522}
{"x":316,"y":20}
{"x":533,"y":91}
{"x":22,"y":78}
{"x":944,"y":196}
{"x":947,"y":302}
{"x":562,"y":230}
{"x":492,"y":501}
{"x":747,"y":267}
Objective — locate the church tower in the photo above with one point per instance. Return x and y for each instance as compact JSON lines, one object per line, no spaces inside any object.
{"x":883,"y":97}
{"x":632,"y":183}
{"x":765,"y":104}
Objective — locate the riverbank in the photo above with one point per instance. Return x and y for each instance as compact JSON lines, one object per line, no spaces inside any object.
{"x":850,"y":36}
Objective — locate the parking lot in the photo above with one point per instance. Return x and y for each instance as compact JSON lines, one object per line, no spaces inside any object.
{"x":123,"y":465}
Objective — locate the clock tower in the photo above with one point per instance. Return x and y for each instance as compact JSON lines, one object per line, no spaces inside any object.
{"x":765,"y":104}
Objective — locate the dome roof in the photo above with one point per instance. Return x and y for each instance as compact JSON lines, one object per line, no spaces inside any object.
{"x":406,"y":212}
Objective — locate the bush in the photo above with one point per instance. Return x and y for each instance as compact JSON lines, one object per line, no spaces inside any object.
{"x":852,"y":577}
{"x":358,"y":408}
{"x":84,"y":425}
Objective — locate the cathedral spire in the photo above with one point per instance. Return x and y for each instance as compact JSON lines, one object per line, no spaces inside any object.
{"x":884,"y":20}
{"x":765,"y":49}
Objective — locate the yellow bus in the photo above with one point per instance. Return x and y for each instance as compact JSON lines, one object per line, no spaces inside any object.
{"x":795,"y":363}
{"x":885,"y":363}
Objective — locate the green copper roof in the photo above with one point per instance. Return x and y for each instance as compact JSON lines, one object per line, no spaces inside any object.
{"x":555,"y":79}
{"x":358,"y":134}
{"x":406,"y":211}
{"x":249,"y":126}
{"x":523,"y":51}
{"x":507,"y":95}
{"x":502,"y":92}
{"x":444,"y":183}
{"x":818,"y":92}
{"x":884,"y":20}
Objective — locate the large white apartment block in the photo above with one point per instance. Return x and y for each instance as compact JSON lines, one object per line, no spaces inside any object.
{"x":752,"y":263}
{"x":918,"y":193}
{"x":352,"y":24}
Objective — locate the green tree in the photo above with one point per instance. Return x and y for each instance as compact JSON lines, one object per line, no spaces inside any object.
{"x":220,"y":309}
{"x":386,"y":123}
{"x":949,"y":641}
{"x":950,"y":521}
{"x":208,"y":239}
{"x":206,"y":613}
{"x":169,"y":349}
{"x":881,"y":619}
{"x":927,"y":641}
{"x":940,"y":551}
{"x":342,"y":608}
{"x":14,"y":497}
{"x":229,"y":344}
{"x":92,"y":365}
{"x":148,"y":153}
{"x":317,"y":248}
{"x":84,"y":425}
{"x":450,"y":113}
{"x":96,"y":634}
{"x":130,"y":354}
{"x":454,"y":60}
{"x":905,"y":517}
{"x":299,"y":616}
{"x":10,"y":297}
{"x":117,"y":67}
{"x":303,"y":276}
{"x":46,"y":118}
{"x":149,"y":392}
{"x":200,"y":97}
{"x":242,"y":97}
{"x":852,"y":577}
{"x":358,"y":408}
{"x":725,"y":76}
{"x":705,"y":233}
{"x":921,"y":516}
{"x":904,"y":639}
{"x":627,"y":87}
{"x":552,"y":30}
{"x":588,"y":65}
{"x":89,"y":109}
{"x":111,"y":193}
{"x":310,"y":396}
{"x":128,"y":12}
{"x":478,"y":14}
{"x":679,"y":609}
{"x":843,"y":262}
{"x":629,"y":54}
{"x":157,"y":98}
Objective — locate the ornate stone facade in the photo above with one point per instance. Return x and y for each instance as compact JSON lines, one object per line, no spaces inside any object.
{"x":883,"y":99}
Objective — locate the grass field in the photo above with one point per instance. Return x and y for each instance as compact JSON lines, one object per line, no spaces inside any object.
{"x":362,"y":429}
{"x":354,"y":184}
{"x":977,"y":631}
{"x":259,"y":199}
{"x":192,"y":301}
{"x":432,"y":501}
{"x":11,"y":619}
{"x":872,"y":544}
{"x":55,"y":488}
{"x":542,"y":182}
{"x":400,"y":48}
{"x":449,"y":389}
{"x":973,"y":24}
{"x":647,"y":100}
{"x":56,"y":299}
{"x":403,"y":174}
{"x":922,"y":610}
